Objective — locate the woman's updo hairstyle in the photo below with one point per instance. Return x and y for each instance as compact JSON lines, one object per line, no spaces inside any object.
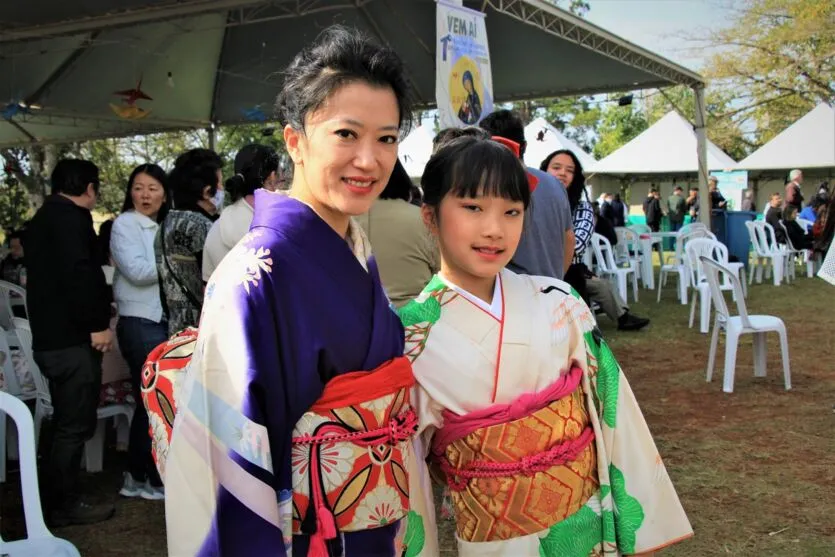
{"x":253,"y":164}
{"x":338,"y":57}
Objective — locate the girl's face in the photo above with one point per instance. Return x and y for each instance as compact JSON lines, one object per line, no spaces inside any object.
{"x":477,"y":237}
{"x":147,"y":195}
{"x":562,"y":167}
{"x":345,"y":155}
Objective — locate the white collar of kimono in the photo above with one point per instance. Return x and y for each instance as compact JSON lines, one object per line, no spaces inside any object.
{"x":494,"y":308}
{"x":356,"y":238}
{"x":358,"y":242}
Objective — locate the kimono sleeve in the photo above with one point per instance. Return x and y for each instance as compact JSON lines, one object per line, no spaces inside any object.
{"x":638,"y":504}
{"x":223,"y":495}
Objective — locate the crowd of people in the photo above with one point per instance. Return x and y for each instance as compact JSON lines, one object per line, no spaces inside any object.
{"x":324,"y":379}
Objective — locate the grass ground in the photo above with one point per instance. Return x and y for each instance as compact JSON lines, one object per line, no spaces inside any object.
{"x":755,"y":469}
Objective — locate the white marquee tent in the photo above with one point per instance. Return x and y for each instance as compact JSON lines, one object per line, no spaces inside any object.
{"x":414,"y":151}
{"x":808,"y":143}
{"x":543,"y":139}
{"x":666,"y":147}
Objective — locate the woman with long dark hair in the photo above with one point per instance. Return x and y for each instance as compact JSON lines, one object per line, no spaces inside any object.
{"x":142,"y":324}
{"x":567,"y":168}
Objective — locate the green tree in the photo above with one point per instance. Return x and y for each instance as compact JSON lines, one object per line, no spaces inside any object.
{"x":15,"y":208}
{"x":618,"y":126}
{"x":776,"y":60}
{"x":722,"y":128}
{"x":577,"y":7}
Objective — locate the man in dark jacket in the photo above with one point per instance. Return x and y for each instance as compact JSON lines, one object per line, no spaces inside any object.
{"x":676,"y":208}
{"x":69,"y":315}
{"x":774,"y":215}
{"x":652,"y":210}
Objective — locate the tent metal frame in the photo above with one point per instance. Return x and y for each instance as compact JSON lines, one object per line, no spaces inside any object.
{"x":536,"y":13}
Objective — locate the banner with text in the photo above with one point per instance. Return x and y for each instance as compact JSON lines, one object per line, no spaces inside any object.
{"x":463,"y":82}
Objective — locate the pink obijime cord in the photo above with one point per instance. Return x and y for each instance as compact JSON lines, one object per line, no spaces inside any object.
{"x":399,"y":428}
{"x":458,"y":478}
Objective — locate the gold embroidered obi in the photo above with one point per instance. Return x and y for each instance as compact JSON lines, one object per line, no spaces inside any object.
{"x":518,"y":469}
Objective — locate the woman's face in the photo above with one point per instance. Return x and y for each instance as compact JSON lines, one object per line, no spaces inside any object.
{"x":147,"y":195}
{"x":562,"y":168}
{"x":345,"y":155}
{"x":468,"y":85}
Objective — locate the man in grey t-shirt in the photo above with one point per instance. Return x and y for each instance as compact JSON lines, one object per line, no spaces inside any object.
{"x":547,"y":244}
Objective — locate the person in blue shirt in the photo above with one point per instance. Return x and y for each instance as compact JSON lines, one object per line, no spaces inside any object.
{"x":810,"y":211}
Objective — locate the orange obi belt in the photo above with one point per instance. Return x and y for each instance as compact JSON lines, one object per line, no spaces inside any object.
{"x":517,"y":469}
{"x":348,"y":454}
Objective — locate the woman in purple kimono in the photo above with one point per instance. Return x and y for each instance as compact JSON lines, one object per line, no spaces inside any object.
{"x":294,"y":418}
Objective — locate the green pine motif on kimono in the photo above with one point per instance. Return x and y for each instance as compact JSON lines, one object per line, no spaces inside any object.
{"x":576,"y":536}
{"x":608,"y":376}
{"x":629,"y":515}
{"x":424,"y":309}
{"x":415,"y":536}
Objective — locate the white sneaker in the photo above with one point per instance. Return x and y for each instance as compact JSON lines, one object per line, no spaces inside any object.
{"x":152,"y":493}
{"x":131,"y":487}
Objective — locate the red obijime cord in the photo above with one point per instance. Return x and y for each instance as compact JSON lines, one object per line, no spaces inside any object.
{"x":399,"y":428}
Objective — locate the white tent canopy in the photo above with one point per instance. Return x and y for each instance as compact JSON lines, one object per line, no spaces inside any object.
{"x":808,"y":143}
{"x":543,"y":139}
{"x":666,"y":147}
{"x":414,"y":151}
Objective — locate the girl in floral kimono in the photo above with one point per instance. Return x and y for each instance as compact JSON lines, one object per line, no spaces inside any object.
{"x":524,"y":412}
{"x":294,"y":420}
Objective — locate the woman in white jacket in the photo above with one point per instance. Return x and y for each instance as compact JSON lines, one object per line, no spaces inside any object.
{"x":256,"y":166}
{"x":141,"y":324}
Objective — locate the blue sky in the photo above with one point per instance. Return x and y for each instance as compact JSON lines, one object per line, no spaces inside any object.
{"x":658,"y":24}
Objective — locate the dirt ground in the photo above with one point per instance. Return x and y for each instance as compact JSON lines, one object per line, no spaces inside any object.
{"x":755,"y":469}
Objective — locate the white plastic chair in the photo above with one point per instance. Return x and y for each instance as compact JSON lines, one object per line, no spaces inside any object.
{"x":797,"y":256}
{"x":39,"y":541}
{"x":734,"y":326}
{"x":11,"y":296}
{"x":607,"y":267}
{"x":677,"y":263}
{"x":691,"y":226}
{"x":705,"y":247}
{"x":628,"y":247}
{"x":767,"y":254}
{"x":94,"y":448}
{"x":805,"y":224}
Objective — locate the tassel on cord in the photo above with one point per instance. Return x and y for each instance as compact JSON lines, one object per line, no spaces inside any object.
{"x":325,"y":530}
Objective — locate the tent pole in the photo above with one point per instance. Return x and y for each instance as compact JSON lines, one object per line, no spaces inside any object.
{"x":701,"y":147}
{"x":210,"y":131}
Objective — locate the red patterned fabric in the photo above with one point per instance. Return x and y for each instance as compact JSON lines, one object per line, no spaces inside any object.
{"x":354,"y":440}
{"x":161,"y":378}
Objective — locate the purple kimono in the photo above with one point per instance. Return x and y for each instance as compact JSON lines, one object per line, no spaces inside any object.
{"x":292,"y":306}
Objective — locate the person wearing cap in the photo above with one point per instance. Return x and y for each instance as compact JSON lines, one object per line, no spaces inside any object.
{"x":547,"y":244}
{"x":256,"y":166}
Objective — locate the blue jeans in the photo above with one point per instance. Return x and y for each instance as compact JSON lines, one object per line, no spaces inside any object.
{"x":137,"y":337}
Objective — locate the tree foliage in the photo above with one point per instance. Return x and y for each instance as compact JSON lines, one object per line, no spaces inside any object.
{"x":776,"y":60}
{"x":577,"y":7}
{"x":618,"y":125}
{"x":116,"y":158}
